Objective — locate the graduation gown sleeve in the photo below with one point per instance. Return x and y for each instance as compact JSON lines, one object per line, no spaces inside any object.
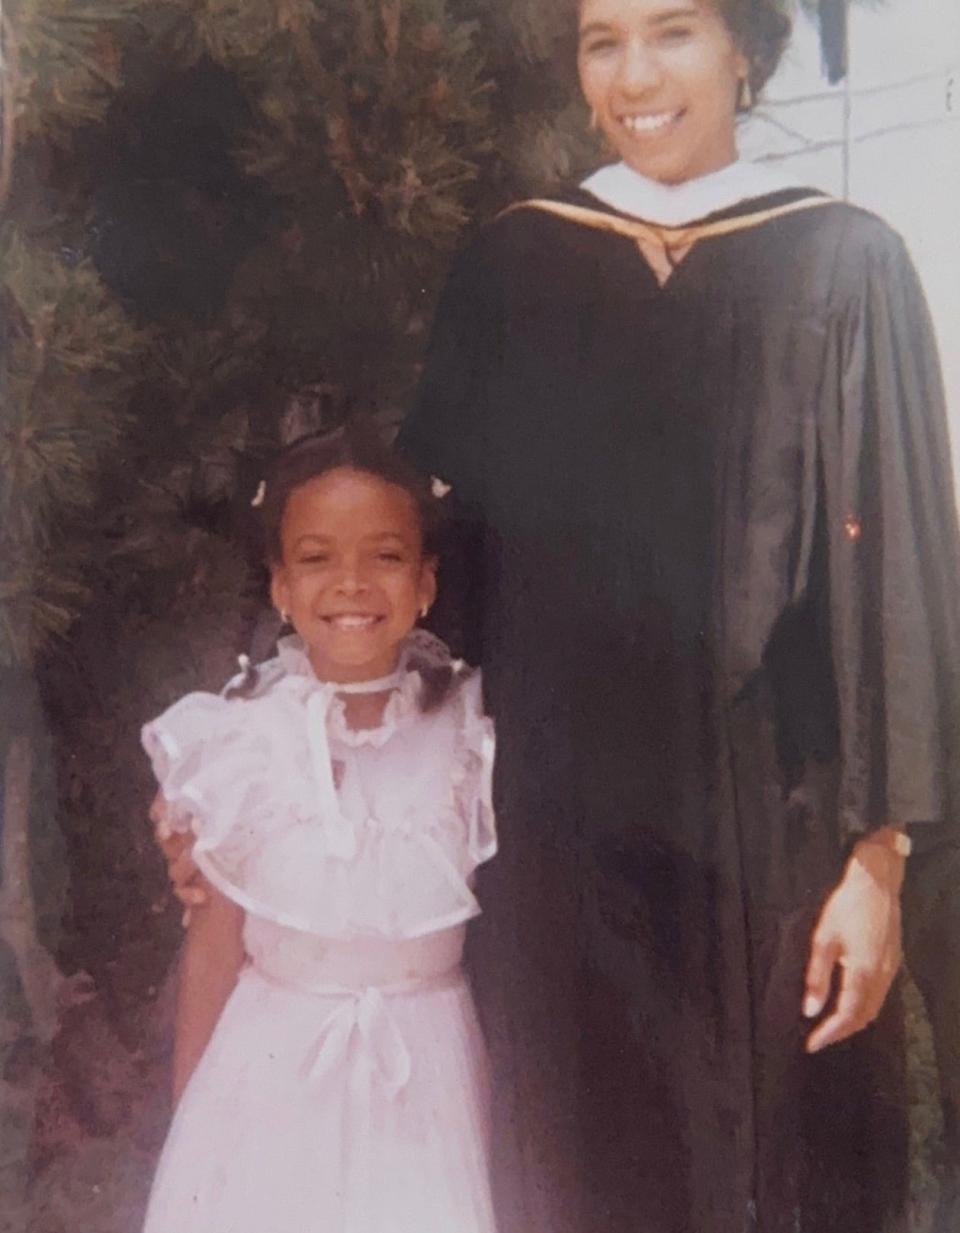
{"x":445,"y":436}
{"x":444,"y":432}
{"x":894,"y":577}
{"x":892,"y":548}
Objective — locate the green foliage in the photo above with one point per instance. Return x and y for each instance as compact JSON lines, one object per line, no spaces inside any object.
{"x":242,"y":34}
{"x":64,"y":56}
{"x":390,"y":99}
{"x":158,"y":633}
{"x":372,"y":125}
{"x":67,"y":370}
{"x":535,"y":31}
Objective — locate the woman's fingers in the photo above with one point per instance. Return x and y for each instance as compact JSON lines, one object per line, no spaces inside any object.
{"x":159,"y":815}
{"x":174,"y":845}
{"x":859,"y":932}
{"x":823,"y":958}
{"x":189,"y":884}
{"x":857,"y":1005}
{"x":186,"y":879}
{"x":863,"y":990}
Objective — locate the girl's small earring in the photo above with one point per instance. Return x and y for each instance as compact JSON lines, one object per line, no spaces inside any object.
{"x":284,"y":616}
{"x":594,"y":122}
{"x":424,"y":609}
{"x":745,"y":95}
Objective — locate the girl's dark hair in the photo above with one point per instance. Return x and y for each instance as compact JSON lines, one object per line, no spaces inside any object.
{"x":359,"y":446}
{"x":761,"y":29}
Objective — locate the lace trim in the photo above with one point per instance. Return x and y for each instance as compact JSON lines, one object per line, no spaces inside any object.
{"x":421,"y":651}
{"x":403,"y":703}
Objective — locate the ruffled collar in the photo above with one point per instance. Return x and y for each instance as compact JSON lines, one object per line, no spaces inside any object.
{"x":676,"y":205}
{"x":420,"y":650}
{"x":404,"y":702}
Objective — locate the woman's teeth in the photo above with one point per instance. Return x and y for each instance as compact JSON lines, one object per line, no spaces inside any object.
{"x":649,"y":124}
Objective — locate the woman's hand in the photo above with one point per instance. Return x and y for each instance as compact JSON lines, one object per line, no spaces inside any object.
{"x":858,"y":931}
{"x":188,"y":883}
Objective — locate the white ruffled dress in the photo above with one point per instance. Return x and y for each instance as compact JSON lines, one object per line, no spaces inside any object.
{"x":344,"y":1088}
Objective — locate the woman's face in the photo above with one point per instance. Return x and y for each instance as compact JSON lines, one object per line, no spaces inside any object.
{"x":662,"y":78}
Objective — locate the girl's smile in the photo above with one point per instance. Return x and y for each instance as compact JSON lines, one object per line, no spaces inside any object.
{"x":353,"y":576}
{"x":344,"y":622}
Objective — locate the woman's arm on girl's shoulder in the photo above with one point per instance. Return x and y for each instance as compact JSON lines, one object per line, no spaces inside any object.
{"x":188,"y":883}
{"x":210,"y":963}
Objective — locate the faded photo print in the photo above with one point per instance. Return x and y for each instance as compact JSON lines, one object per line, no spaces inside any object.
{"x":479,"y":616}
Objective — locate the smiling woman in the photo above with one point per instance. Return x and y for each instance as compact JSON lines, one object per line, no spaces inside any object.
{"x":664,"y":397}
{"x":663,"y":81}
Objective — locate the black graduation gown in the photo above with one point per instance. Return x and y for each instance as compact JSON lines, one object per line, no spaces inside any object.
{"x":719,"y":633}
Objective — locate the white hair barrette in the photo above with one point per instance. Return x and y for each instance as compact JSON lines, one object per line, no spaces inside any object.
{"x":438,"y":487}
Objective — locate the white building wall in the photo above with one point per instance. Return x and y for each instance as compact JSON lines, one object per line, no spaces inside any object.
{"x":888,"y":138}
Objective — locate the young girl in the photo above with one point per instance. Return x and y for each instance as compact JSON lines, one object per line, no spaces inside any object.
{"x":328,"y":1066}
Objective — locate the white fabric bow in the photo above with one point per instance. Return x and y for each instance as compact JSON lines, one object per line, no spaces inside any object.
{"x":342,"y":840}
{"x":381,"y":1051}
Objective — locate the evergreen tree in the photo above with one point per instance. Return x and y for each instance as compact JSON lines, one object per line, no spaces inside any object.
{"x":225,"y":223}
{"x":66,"y":373}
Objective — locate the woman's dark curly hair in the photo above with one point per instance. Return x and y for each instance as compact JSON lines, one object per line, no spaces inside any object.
{"x":761,"y":29}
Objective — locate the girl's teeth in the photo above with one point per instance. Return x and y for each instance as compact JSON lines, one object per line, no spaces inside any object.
{"x":353,"y":622}
{"x":648,"y":124}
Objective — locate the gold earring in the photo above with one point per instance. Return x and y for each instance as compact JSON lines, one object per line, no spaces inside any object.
{"x":594,"y":121}
{"x":745,"y":95}
{"x":424,"y":609}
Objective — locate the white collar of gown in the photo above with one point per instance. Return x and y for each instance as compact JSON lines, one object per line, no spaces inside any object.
{"x":676,"y":205}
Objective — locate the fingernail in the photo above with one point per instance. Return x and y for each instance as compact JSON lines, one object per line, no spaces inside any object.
{"x":811,"y":1006}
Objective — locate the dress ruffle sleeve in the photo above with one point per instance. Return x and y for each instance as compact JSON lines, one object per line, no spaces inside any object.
{"x":390,"y":852}
{"x":213,"y":770}
{"x":444,"y":433}
{"x":474,"y":787}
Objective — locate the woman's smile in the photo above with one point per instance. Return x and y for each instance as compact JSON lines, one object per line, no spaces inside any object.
{"x":662,"y":78}
{"x":651,"y":125}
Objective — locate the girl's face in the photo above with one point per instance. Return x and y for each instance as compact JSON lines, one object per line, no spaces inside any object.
{"x":353,"y":577}
{"x":662,"y":78}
